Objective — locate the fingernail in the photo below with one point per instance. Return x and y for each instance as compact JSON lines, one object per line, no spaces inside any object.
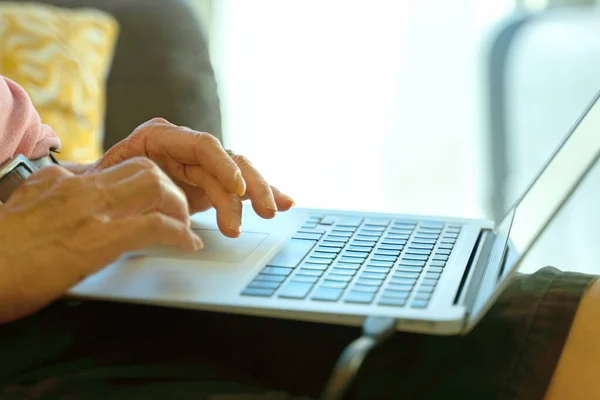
{"x":233,"y":223}
{"x":240,"y":184}
{"x":270,"y":203}
{"x":288,"y":198}
{"x":198,"y":244}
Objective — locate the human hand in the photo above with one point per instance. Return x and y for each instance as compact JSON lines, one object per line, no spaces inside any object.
{"x":57,"y":228}
{"x":208,"y":175}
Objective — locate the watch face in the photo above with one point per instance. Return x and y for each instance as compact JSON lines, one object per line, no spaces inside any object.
{"x":12,"y":180}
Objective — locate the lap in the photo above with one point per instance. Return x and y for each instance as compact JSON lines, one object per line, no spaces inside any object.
{"x":108,"y":350}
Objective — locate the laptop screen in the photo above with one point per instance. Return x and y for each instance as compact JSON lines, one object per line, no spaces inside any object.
{"x":557,"y":180}
{"x":537,"y":206}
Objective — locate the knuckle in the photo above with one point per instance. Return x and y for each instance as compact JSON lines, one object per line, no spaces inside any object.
{"x":159,"y":121}
{"x":242,"y":160}
{"x":207,"y":138}
{"x":144,"y":163}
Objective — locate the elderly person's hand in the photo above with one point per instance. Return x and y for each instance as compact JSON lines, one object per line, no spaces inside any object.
{"x":58,"y":228}
{"x":208,"y":175}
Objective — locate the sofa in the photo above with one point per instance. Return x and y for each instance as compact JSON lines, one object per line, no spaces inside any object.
{"x":161,"y":67}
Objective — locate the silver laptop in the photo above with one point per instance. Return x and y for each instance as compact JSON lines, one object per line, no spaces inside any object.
{"x":433,"y":275}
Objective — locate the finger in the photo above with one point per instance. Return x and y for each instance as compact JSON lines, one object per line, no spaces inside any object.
{"x":178,"y":147}
{"x":257,"y":189}
{"x":142,"y":231}
{"x":145,"y":191}
{"x":228,"y":207}
{"x":197,"y":199}
{"x":283,"y":201}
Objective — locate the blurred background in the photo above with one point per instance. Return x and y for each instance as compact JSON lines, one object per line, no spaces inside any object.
{"x":429,"y":107}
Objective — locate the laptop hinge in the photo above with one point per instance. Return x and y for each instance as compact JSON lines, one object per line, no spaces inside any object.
{"x":475,"y":270}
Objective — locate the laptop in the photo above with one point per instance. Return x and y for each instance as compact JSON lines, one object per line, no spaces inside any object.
{"x":434,"y":275}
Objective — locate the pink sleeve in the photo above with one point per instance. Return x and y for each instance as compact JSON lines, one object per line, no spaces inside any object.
{"x":21,"y":130}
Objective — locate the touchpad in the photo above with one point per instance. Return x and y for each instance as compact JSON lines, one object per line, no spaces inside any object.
{"x":217,"y":247}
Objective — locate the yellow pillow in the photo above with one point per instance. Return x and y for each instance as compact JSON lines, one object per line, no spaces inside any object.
{"x":62,"y":58}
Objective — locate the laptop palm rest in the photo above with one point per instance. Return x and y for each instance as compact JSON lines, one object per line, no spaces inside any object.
{"x":217,"y":248}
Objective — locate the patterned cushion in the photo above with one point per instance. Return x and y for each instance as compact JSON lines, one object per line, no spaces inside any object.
{"x":61,"y":58}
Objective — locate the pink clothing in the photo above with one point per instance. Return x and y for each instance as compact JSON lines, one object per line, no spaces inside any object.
{"x":21,"y":130}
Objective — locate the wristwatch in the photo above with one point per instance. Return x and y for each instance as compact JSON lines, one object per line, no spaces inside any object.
{"x":14,"y":172}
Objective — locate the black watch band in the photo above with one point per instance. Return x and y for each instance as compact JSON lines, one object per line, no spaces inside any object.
{"x":17,"y":170}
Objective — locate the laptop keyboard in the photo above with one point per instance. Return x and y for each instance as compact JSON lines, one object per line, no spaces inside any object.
{"x":358,"y":260}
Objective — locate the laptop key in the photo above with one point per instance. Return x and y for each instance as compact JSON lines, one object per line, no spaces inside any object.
{"x":409,"y":256}
{"x":338,"y":239}
{"x":249,"y":291}
{"x":440,"y":257}
{"x":334,"y":284}
{"x":365,"y":288}
{"x":338,"y":228}
{"x":373,"y":275}
{"x":378,"y":257}
{"x":371,"y":231}
{"x":369,"y":282}
{"x":318,"y":231}
{"x":304,"y":278}
{"x":408,"y":268}
{"x":391,"y":247}
{"x":426,"y":289}
{"x":341,"y":233}
{"x":435,"y":269}
{"x":397,"y":236}
{"x":359,"y":297}
{"x":355,"y":254}
{"x":432,"y":275}
{"x":403,"y":281}
{"x":399,"y":288}
{"x":406,"y":275}
{"x":451,"y":235}
{"x":327,"y":294}
{"x":427,"y":246}
{"x":397,"y":242}
{"x":338,"y":277}
{"x":270,"y":278}
{"x":424,"y":241}
{"x":396,"y":294}
{"x":348,"y":265}
{"x":264,"y":284}
{"x":316,"y":260}
{"x":343,"y":271}
{"x":412,"y":250}
{"x":276,"y":271}
{"x":369,"y":268}
{"x":422,"y":296}
{"x":448,"y":240}
{"x":311,"y":265}
{"x":327,"y":221}
{"x":360,"y":249}
{"x":422,"y":235}
{"x":375,"y":263}
{"x":307,"y":236}
{"x":295,"y":290}
{"x":438,"y":263}
{"x":391,"y":301}
{"x":330,"y":244}
{"x":419,"y":303}
{"x":429,"y":282}
{"x":448,"y":246}
{"x":384,"y":252}
{"x":292,"y":252}
{"x":377,"y":221}
{"x":309,"y":272}
{"x":325,"y":249}
{"x":414,"y":263}
{"x":443,"y":252}
{"x":320,"y":254}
